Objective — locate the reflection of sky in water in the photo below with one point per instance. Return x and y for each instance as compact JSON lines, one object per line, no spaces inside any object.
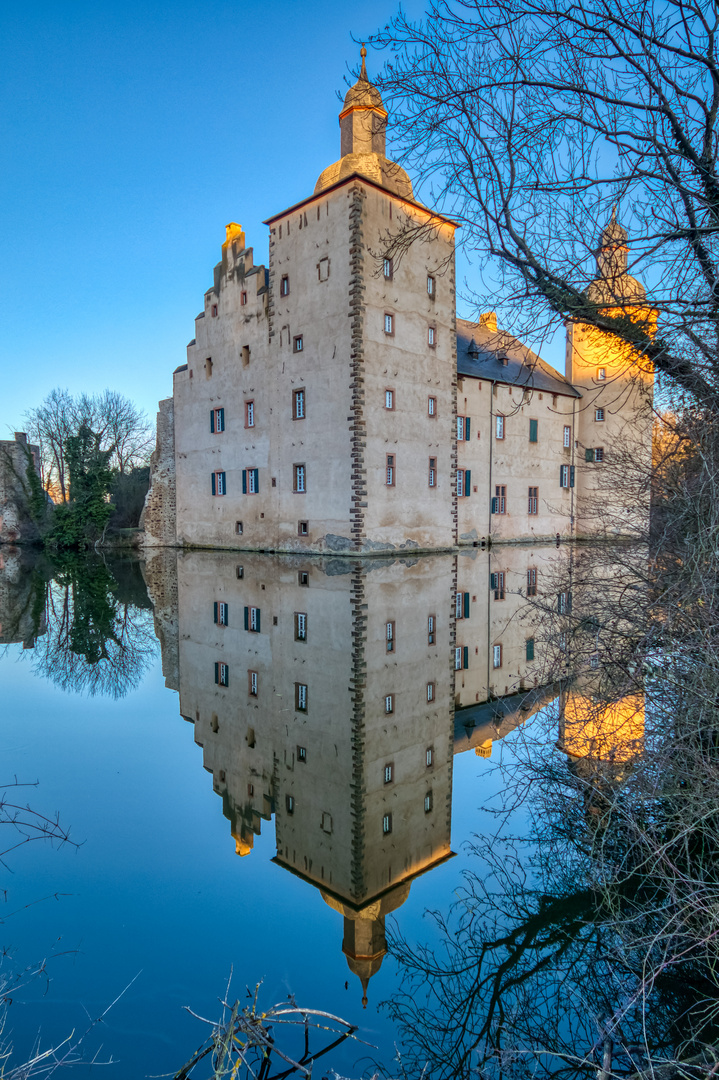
{"x":156,"y":886}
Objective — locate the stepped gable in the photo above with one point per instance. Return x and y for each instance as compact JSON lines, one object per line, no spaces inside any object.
{"x":482,"y":350}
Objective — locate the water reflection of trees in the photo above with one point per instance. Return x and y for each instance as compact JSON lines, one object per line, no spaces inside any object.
{"x":100,"y":637}
{"x":591,"y":942}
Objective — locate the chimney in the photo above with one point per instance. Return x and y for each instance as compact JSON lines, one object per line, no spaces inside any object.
{"x":488,"y":319}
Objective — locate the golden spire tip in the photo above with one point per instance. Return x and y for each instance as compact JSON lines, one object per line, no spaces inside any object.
{"x":363,"y":54}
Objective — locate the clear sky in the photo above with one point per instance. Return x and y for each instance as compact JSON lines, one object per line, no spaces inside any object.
{"x":132,"y":132}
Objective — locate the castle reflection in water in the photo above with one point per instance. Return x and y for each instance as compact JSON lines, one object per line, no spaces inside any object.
{"x":332,"y":696}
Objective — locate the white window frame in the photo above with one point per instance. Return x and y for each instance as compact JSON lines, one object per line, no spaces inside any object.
{"x":389,"y":704}
{"x":222,"y":613}
{"x":253,"y":684}
{"x":458,"y":658}
{"x":388,"y":323}
{"x":253,"y":619}
{"x":431,"y":336}
{"x":430,"y":692}
{"x":432,"y":406}
{"x":250,"y":413}
{"x":220,"y":483}
{"x":302,"y":697}
{"x":496,"y":656}
{"x":599,"y":415}
{"x":223,"y":674}
{"x":389,"y":399}
{"x":567,"y":436}
{"x":301,"y":626}
{"x":499,"y":425}
{"x":300,"y":478}
{"x":460,"y":429}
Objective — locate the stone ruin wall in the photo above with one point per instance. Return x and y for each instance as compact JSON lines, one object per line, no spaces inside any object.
{"x":158,"y":518}
{"x":16,"y":526}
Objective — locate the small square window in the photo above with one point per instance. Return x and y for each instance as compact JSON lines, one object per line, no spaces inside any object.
{"x":388,"y":323}
{"x":239,"y":529}
{"x":214,"y":311}
{"x":429,"y":757}
{"x":239,"y":570}
{"x":297,"y":344}
{"x":431,"y":336}
{"x":208,"y":367}
{"x":252,"y":680}
{"x":389,"y":399}
{"x":432,"y":406}
{"x":243,"y":298}
{"x":431,"y":286}
{"x":388,"y":773}
{"x":303,"y":577}
{"x":303,"y":528}
{"x":284,"y":285}
{"x":599,"y":453}
{"x":389,"y":703}
{"x":302,"y":754}
{"x":387,"y":824}
{"x":601,"y":374}
{"x":599,"y":414}
{"x":388,"y":269}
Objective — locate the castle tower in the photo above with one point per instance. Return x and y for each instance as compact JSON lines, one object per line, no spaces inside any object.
{"x":612,"y":436}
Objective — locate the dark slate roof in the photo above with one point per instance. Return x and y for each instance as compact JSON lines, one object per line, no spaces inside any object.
{"x":524,"y":368}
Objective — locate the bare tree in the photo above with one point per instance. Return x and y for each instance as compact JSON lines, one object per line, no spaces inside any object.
{"x":528,"y":120}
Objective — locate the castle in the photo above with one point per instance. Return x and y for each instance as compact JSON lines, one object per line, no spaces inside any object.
{"x":333,"y":402}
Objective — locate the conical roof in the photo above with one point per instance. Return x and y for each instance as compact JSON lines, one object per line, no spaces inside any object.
{"x":363,"y":94}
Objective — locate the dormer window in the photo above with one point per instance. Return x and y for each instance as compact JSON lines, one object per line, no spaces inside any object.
{"x":473,"y":349}
{"x":503,"y":361}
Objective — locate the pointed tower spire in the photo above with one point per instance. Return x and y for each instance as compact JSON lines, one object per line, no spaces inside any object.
{"x":363,"y":72}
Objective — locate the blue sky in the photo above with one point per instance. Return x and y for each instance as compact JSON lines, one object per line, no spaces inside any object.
{"x":131,"y":134}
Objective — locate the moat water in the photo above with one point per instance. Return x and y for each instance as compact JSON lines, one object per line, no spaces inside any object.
{"x":227,"y":824}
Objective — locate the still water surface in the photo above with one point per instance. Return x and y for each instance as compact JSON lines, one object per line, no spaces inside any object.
{"x":263,"y":762}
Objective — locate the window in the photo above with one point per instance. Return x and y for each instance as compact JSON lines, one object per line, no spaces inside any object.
{"x":239,"y":529}
{"x":249,"y":414}
{"x":252,"y":619}
{"x":389,"y":471}
{"x":599,"y":414}
{"x":221,"y":613}
{"x":388,"y":773}
{"x":245,"y":355}
{"x":428,"y":802}
{"x":250,"y":790}
{"x":599,"y":453}
{"x":303,"y":577}
{"x":303,"y":528}
{"x":300,"y":478}
{"x":431,"y":336}
{"x":532,"y":581}
{"x":252,"y":683}
{"x":496,"y":582}
{"x":239,"y":570}
{"x":300,"y":626}
{"x":499,"y":502}
{"x":533,"y":430}
{"x":464,"y":481}
{"x":389,"y":636}
{"x":463,"y":428}
{"x":290,"y":804}
{"x":499,"y":426}
{"x":430,"y":286}
{"x":250,"y":481}
{"x":222,"y":674}
{"x":389,"y":399}
{"x":387,"y":824}
{"x":429,"y":756}
{"x":432,"y":475}
{"x":297,"y":343}
{"x":388,"y":323}
{"x":497,"y":656}
{"x":219,"y":484}
{"x":601,"y":374}
{"x":461,"y":657}
{"x":566,"y":476}
{"x":432,"y":406}
{"x":461,"y":605}
{"x":564,"y":603}
{"x":302,"y":754}
{"x":298,"y":404}
{"x":208,"y":367}
{"x":567,"y":436}
{"x":532,"y":500}
{"x":431,"y":624}
{"x":323,"y":267}
{"x":387,"y":269}
{"x":326,"y":822}
{"x":214,"y":311}
{"x":529,"y":648}
{"x":430,"y":691}
{"x":243,"y":299}
{"x":301,"y":697}
{"x":217,"y":420}
{"x":284,"y":285}
{"x":389,"y":703}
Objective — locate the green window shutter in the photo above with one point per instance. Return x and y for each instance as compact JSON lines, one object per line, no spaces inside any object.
{"x":466,"y":605}
{"x":467,"y":482}
{"x":247,"y":618}
{"x":495,"y":505}
{"x":465,"y":656}
{"x":227,"y":614}
{"x":258,"y":620}
{"x":217,"y":672}
{"x":212,"y":420}
{"x":561,"y":475}
{"x":533,"y":430}
{"x":214,"y":492}
{"x":224,"y":483}
{"x":257,"y":479}
{"x":589,"y":454}
{"x":215,"y":616}
{"x":569,"y":603}
{"x":530,"y":648}
{"x":571,"y":476}
{"x":244,"y":481}
{"x":493,"y":581}
{"x":467,"y":424}
{"x":222,"y":419}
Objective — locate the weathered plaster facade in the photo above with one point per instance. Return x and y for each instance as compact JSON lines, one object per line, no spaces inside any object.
{"x":320,"y":405}
{"x":16,"y":524}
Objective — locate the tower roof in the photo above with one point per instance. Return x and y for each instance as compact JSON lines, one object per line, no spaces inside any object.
{"x":613,"y":233}
{"x":363,"y":94}
{"x":614,"y":283}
